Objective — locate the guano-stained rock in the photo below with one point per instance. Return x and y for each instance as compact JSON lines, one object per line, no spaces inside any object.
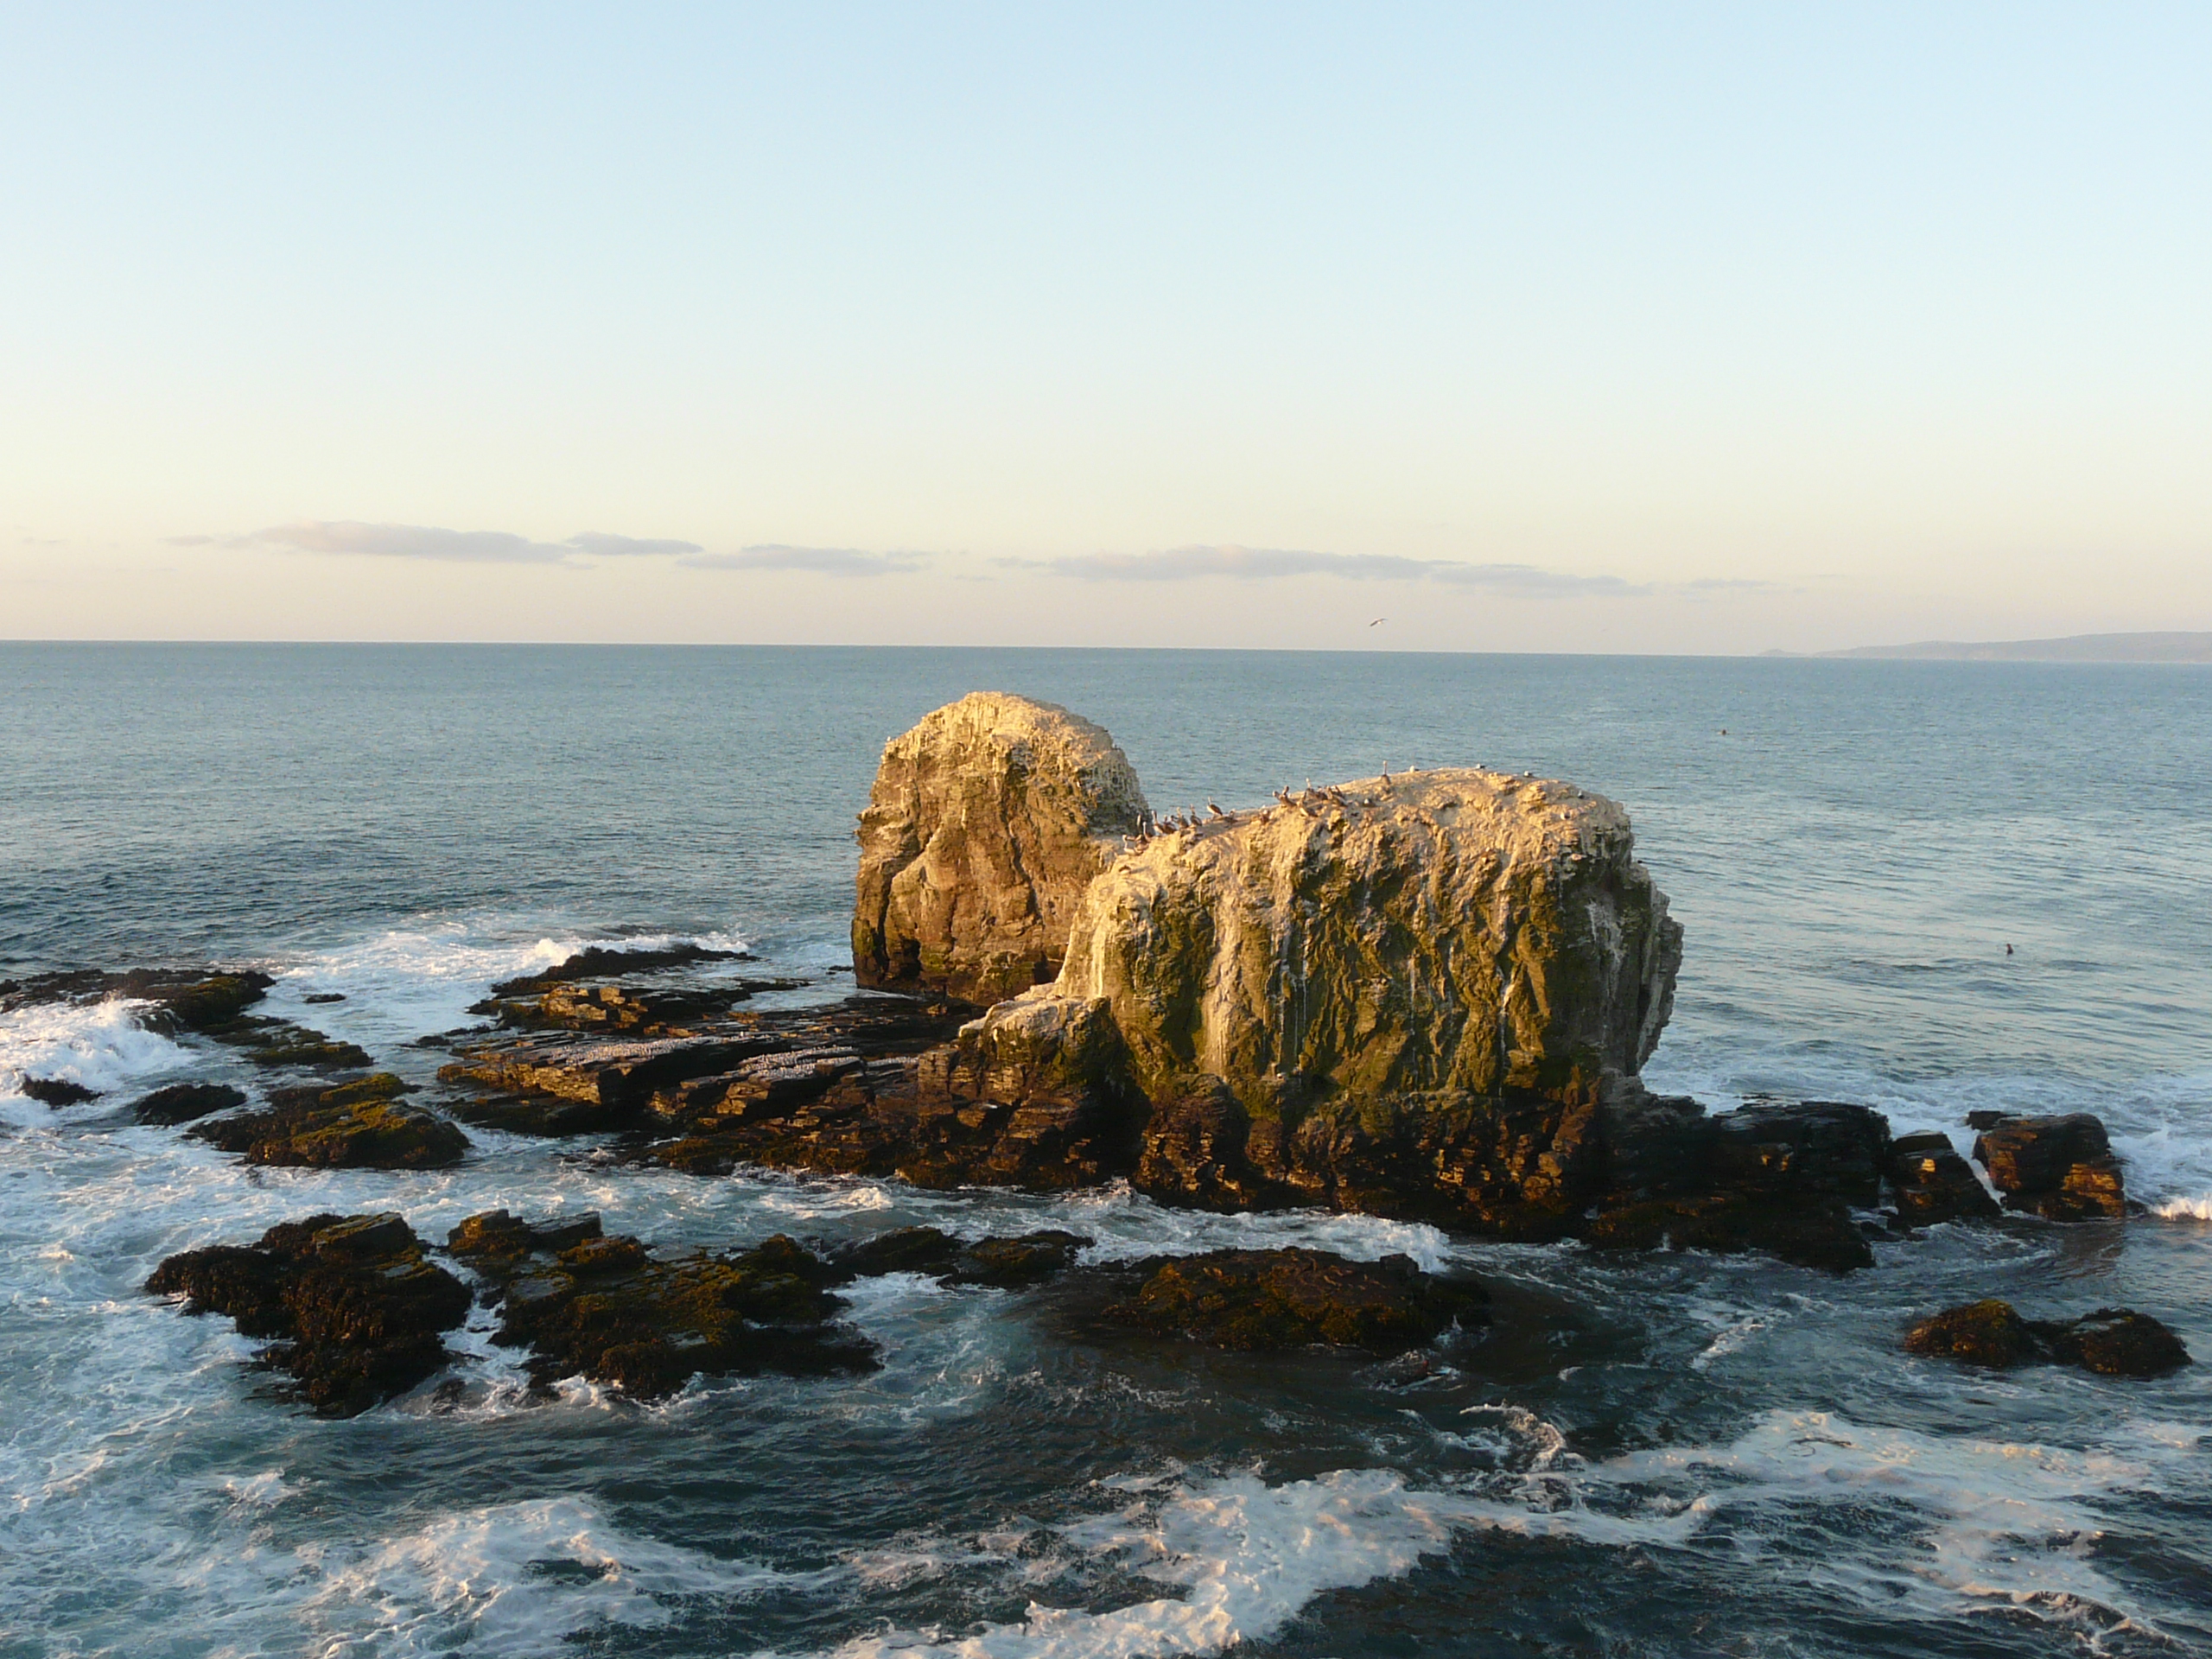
{"x":1463,"y":932}
{"x":987,"y":821}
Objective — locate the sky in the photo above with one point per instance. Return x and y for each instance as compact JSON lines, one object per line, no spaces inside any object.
{"x":1675,"y":328}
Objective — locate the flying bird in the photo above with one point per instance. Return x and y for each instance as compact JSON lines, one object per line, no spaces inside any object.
{"x":1378,"y":621}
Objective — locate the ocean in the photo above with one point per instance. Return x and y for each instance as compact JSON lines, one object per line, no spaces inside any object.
{"x":1671,"y":1454}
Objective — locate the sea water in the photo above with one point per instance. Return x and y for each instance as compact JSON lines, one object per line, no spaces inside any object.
{"x":1668,"y":1454}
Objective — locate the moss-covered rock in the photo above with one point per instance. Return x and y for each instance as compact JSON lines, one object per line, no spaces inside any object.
{"x":987,"y":821}
{"x":2112,"y":1341}
{"x":1297,"y":1298}
{"x":358,"y":1124}
{"x":1459,"y":932}
{"x":354,"y":1308}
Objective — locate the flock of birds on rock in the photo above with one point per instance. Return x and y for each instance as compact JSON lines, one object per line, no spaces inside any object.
{"x":1150,"y":829}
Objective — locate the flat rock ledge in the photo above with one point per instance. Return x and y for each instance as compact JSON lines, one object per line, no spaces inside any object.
{"x":2112,"y":1341}
{"x":360,"y":1124}
{"x":1298,"y":1297}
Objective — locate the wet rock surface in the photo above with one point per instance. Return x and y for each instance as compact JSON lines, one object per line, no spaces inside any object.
{"x":2111,"y":1341}
{"x":1781,"y":1178}
{"x":1931,"y":1183}
{"x":888,"y":1086}
{"x":57,"y":1091}
{"x":355,"y":1310}
{"x":2059,"y":1167}
{"x":986,"y":822}
{"x":187,"y":1103}
{"x":1012,"y":1262}
{"x":1296,"y":1297}
{"x":359,"y":1124}
{"x":185,"y":998}
{"x":589,"y":1305}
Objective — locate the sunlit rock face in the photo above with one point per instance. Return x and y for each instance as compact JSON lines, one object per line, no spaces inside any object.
{"x":1460,"y":933}
{"x":987,"y":821}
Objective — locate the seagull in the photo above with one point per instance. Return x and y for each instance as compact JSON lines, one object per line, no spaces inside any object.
{"x":1378,"y":621}
{"x":1216,"y":810}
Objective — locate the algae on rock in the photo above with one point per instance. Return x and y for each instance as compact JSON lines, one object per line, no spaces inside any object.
{"x":1463,"y":931}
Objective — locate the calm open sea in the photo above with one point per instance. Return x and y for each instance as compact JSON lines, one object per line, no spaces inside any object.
{"x":1672,"y":1455}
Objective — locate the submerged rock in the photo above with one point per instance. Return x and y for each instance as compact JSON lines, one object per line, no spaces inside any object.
{"x":355,"y":1308}
{"x":1002,"y":1263}
{"x":185,"y":1103}
{"x":2112,"y":1341}
{"x":604,"y":1308}
{"x":1295,"y":1298}
{"x":2059,"y":1167}
{"x":987,"y":821}
{"x":356,"y":1125}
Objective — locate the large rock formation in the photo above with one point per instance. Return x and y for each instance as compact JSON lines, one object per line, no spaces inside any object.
{"x":987,"y":821}
{"x":1441,"y":933}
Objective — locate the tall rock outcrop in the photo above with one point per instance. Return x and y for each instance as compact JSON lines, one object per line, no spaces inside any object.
{"x":1462,"y":932}
{"x":987,"y":823}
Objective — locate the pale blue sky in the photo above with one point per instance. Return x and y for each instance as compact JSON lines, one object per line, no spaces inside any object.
{"x":1626,"y":327}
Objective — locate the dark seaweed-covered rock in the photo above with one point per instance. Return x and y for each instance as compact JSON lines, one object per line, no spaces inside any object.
{"x":1821,"y":1148}
{"x":185,"y":998}
{"x":356,"y":1309}
{"x":588,"y":1305}
{"x":1778,"y":1177}
{"x":185,"y":1103}
{"x":1988,"y":1332}
{"x":359,"y":1124}
{"x":1929,"y":1182}
{"x":1004,"y":1264}
{"x":2059,"y":1167}
{"x":1296,"y":1297}
{"x":2112,"y":1341}
{"x":57,"y":1091}
{"x":2116,"y":1342}
{"x":1809,"y":1231}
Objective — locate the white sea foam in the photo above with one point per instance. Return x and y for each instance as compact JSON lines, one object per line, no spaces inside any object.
{"x":409,"y":982}
{"x":506,"y":1579}
{"x":100,"y":1045}
{"x":1127,"y":1225}
{"x":1990,"y":1523}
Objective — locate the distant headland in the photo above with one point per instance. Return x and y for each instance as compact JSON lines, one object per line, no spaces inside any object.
{"x":2075,"y":648}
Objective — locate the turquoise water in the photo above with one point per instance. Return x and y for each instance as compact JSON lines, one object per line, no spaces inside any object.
{"x":1657,"y":1456}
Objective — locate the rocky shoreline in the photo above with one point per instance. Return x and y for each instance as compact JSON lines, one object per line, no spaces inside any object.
{"x":1426,"y":997}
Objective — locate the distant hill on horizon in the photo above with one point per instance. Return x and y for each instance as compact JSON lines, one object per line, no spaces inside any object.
{"x":2075,"y":648}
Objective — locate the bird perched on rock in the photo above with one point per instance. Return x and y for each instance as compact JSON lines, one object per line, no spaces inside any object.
{"x":1216,"y":810}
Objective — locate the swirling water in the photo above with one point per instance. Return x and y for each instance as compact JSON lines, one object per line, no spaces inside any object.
{"x":1665,"y":1455}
